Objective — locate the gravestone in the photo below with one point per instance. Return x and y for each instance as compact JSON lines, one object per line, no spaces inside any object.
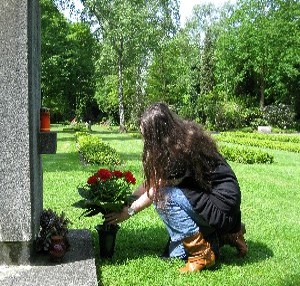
{"x":264,"y":129}
{"x":20,"y":162}
{"x":22,"y":143}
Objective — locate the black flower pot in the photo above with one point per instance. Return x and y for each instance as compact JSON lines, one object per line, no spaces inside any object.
{"x":107,"y":239}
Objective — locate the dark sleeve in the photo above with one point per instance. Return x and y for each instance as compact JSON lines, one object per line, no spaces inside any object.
{"x":220,"y":207}
{"x":225,"y":192}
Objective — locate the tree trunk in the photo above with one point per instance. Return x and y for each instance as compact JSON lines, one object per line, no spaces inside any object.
{"x":120,"y":90}
{"x":262,"y":93}
{"x":138,"y":95}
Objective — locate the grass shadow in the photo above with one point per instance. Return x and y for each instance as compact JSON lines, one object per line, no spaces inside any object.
{"x":62,"y":162}
{"x":133,"y":244}
{"x":257,"y":251}
{"x":130,"y":157}
{"x":118,"y":138}
{"x":66,"y":139}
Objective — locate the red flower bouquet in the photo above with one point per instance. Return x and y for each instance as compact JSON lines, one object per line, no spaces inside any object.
{"x":105,"y":191}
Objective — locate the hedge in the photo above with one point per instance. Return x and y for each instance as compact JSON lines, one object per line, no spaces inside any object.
{"x":293,"y":138}
{"x":95,"y":151}
{"x":245,"y":155}
{"x":261,"y":143}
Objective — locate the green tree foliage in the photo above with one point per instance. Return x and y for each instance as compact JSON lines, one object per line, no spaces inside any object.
{"x":128,"y":32}
{"x":202,"y":32}
{"x":68,"y":51}
{"x":170,"y":74}
{"x":259,"y":50}
{"x":220,"y":69}
{"x":82,"y":53}
{"x":207,"y":79}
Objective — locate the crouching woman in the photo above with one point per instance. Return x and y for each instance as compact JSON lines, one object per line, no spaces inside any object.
{"x":193,"y":189}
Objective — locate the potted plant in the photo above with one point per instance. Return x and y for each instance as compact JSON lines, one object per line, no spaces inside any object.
{"x":52,"y":238}
{"x":104,"y":192}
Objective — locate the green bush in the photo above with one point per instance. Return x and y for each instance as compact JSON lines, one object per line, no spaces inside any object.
{"x":281,"y":115}
{"x":257,"y":119}
{"x":95,"y":151}
{"x":220,"y":115}
{"x":245,"y":155}
{"x":228,"y":116}
{"x":75,"y":127}
{"x":250,"y":141}
{"x":81,"y":133}
{"x":262,"y":136}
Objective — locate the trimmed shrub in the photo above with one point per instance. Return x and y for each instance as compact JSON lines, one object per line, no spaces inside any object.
{"x":245,"y":155}
{"x":261,"y":136}
{"x":95,"y":151}
{"x":81,"y":133}
{"x":249,"y":141}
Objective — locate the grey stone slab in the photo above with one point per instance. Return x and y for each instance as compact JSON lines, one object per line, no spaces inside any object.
{"x":264,"y":129}
{"x":77,"y":267}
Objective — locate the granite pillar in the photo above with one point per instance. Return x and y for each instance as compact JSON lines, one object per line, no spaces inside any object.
{"x":20,"y":161}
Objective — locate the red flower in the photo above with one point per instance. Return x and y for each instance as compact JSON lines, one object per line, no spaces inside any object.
{"x":129,"y":177}
{"x":117,"y":174}
{"x":92,"y":180}
{"x":105,"y":191}
{"x":104,"y":174}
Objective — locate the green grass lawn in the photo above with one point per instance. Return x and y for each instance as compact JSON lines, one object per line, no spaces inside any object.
{"x":270,"y":205}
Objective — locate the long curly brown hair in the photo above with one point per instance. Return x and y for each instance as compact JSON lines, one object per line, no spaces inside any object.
{"x":173,"y":145}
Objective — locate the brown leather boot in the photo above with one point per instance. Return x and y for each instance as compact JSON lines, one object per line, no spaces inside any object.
{"x":200,"y":254}
{"x":236,"y":240}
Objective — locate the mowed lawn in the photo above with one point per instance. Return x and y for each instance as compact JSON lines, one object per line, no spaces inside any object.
{"x":270,"y":206}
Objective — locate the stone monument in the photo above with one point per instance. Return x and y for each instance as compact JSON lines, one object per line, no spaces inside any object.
{"x":22,"y":143}
{"x":20,"y":161}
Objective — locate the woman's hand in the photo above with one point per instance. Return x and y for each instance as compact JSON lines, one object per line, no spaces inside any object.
{"x":114,"y":218}
{"x":138,"y":205}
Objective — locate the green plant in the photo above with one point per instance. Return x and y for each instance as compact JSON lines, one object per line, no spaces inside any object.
{"x":246,"y":155}
{"x":95,"y":151}
{"x":105,"y":191}
{"x":253,"y":141}
{"x":224,"y":115}
{"x":228,"y":116}
{"x":51,"y":224}
{"x":293,"y":138}
{"x":258,"y":122}
{"x":81,"y":133}
{"x":75,"y":127}
{"x":281,"y":115}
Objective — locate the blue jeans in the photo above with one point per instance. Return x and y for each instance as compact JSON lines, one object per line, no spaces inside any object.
{"x":179,"y":218}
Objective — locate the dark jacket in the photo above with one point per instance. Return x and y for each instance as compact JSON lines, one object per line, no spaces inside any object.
{"x":219,"y":206}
